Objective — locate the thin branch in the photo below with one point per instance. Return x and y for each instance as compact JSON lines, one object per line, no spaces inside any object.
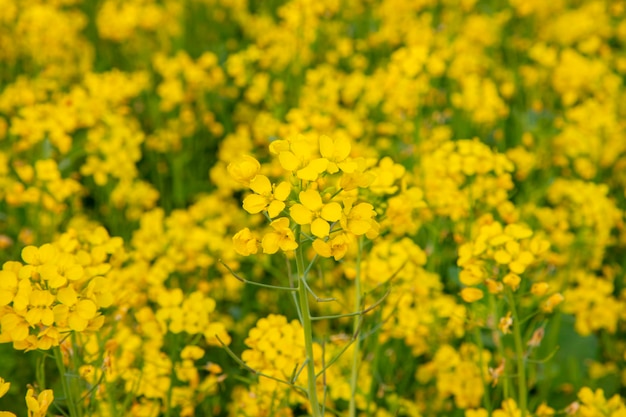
{"x":258,"y":284}
{"x":317,"y":299}
{"x":296,"y":374}
{"x":356,"y":313}
{"x":546,"y":359}
{"x":254,"y":371}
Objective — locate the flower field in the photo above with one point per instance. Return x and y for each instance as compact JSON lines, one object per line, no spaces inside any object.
{"x":255,"y":208}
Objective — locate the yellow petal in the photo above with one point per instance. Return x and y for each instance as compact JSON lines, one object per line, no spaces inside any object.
{"x":282,"y":191}
{"x":311,"y":199}
{"x":347,"y":166}
{"x":254,"y":203}
{"x":342,"y":148}
{"x":275,"y":208}
{"x":471,"y":276}
{"x":288,"y":244}
{"x":270,"y":243}
{"x":512,"y":280}
{"x":244,"y":169}
{"x":74,"y":272}
{"x":512,"y":247}
{"x":77,"y":323}
{"x":33,"y":316}
{"x":301,"y":214}
{"x":327,"y":147}
{"x":261,"y":185}
{"x":502,"y":257}
{"x":322,"y":248}
{"x":359,"y":227}
{"x":47,"y":253}
{"x":4,"y":387}
{"x":6,"y":297}
{"x":518,"y":231}
{"x":32,"y":403}
{"x":313,"y":169}
{"x":67,"y":296}
{"x":281,"y":224}
{"x":288,"y":161}
{"x":8,"y":280}
{"x":30,"y":255}
{"x":86,"y":309}
{"x":517,"y":267}
{"x":332,"y":168}
{"x":538,"y":245}
{"x":57,"y":281}
{"x":47,"y":317}
{"x":320,"y":228}
{"x":469,"y":295}
{"x":331,"y":212}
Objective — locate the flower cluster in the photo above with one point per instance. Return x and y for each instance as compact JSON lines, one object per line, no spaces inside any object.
{"x":434,"y":188}
{"x":320,"y":195}
{"x":59,"y":288}
{"x":497,"y":257}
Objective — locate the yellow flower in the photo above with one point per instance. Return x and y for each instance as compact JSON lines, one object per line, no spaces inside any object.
{"x":76,"y":316}
{"x":509,"y":409}
{"x":280,"y":238}
{"x":469,"y":295}
{"x":4,"y":387}
{"x":337,"y":247}
{"x":552,"y":301}
{"x":358,"y":219}
{"x":40,"y":311}
{"x":299,"y":155}
{"x":472,"y":274}
{"x":544,"y":410}
{"x":267,"y":197}
{"x":14,"y":326}
{"x":505,"y":323}
{"x":512,"y":280}
{"x":313,"y":211}
{"x":39,"y":256}
{"x":539,"y":288}
{"x":336,"y":151}
{"x":481,"y":412}
{"x":8,"y":287}
{"x":38,"y":406}
{"x":245,"y":243}
{"x":244,"y":169}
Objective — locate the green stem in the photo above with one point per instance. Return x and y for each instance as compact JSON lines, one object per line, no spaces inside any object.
{"x":487,"y":388}
{"x":41,"y":371}
{"x":303,"y":300}
{"x":356,"y":353}
{"x":500,"y":346}
{"x":67,"y":388}
{"x":520,"y":356}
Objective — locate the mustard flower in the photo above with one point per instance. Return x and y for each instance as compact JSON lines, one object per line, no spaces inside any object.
{"x":470,"y":294}
{"x":312,"y":210}
{"x":245,"y":243}
{"x":244,"y":169}
{"x":300,"y":155}
{"x":336,"y":152}
{"x":337,"y":246}
{"x":281,"y":237}
{"x":38,"y":405}
{"x":268,"y":197}
{"x":4,"y":387}
{"x":358,"y":219}
{"x":505,"y":323}
{"x":8,"y":287}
